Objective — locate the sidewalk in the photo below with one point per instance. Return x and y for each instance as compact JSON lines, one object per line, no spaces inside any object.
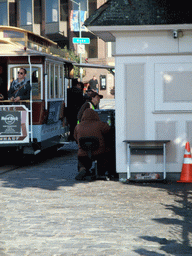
{"x":44,"y":211}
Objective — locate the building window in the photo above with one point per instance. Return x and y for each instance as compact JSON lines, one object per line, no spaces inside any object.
{"x":26,"y":12}
{"x":52,"y":11}
{"x":64,"y":10}
{"x":93,"y":48}
{"x":92,"y":6}
{"x":3,"y":16}
{"x":12,"y":14}
{"x":83,"y":5}
{"x":37,"y":12}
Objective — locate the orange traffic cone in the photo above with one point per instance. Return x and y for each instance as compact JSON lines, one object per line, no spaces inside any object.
{"x":186,"y":173}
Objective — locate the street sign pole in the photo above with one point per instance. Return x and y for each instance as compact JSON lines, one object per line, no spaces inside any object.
{"x":79,"y":4}
{"x":80,"y":37}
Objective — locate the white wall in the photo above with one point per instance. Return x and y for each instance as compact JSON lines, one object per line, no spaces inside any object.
{"x":152,"y":42}
{"x":162,"y":116}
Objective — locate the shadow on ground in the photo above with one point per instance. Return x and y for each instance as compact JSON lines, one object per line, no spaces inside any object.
{"x":181,"y":224}
{"x":47,"y":170}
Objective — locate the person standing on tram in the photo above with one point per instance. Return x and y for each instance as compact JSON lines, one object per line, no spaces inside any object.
{"x":93,"y":103}
{"x":74,"y":102}
{"x":20,"y":88}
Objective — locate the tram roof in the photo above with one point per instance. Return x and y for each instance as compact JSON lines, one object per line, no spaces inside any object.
{"x":30,"y":35}
{"x":16,"y":41}
{"x":11,"y":49}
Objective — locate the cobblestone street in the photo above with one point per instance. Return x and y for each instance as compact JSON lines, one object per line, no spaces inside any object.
{"x":44,"y":211}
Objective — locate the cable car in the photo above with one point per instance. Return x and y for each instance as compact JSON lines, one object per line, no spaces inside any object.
{"x":39,"y":122}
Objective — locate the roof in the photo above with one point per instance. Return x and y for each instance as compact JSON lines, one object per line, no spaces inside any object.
{"x":90,"y":65}
{"x":137,"y":12}
{"x":14,"y":49}
{"x":29,"y":34}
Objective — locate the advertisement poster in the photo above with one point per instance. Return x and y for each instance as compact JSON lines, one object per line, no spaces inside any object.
{"x":10,"y":123}
{"x":14,"y":125}
{"x":75,"y":20}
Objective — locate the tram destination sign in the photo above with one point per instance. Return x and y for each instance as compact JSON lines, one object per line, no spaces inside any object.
{"x":81,"y":40}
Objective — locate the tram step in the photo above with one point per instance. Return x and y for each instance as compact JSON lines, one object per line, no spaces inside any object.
{"x":30,"y":151}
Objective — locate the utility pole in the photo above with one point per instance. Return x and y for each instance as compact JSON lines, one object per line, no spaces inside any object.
{"x":79,"y":5}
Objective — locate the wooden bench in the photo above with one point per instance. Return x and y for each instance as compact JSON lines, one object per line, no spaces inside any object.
{"x":146,"y":147}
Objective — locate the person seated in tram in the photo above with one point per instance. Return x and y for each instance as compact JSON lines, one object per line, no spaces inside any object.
{"x":91,"y":125}
{"x":20,"y":88}
{"x":92,"y":102}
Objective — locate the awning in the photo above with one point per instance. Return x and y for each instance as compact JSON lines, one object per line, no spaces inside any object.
{"x":90,"y":65}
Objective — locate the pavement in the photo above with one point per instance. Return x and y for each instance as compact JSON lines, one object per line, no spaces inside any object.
{"x":44,"y":211}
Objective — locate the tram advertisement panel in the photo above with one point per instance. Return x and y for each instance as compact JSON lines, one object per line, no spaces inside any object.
{"x":14,"y":124}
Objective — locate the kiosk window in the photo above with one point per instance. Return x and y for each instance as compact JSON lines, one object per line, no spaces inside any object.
{"x":173,"y":86}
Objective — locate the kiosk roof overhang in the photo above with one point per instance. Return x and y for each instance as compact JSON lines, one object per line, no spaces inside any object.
{"x":125,"y":15}
{"x":109,"y":33}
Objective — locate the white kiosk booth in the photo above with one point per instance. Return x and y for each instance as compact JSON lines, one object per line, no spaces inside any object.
{"x":153,"y":92}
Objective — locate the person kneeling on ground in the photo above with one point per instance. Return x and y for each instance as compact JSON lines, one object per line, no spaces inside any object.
{"x":91,"y":126}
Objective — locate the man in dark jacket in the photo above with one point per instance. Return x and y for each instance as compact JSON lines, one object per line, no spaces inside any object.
{"x":20,"y":88}
{"x":91,"y":126}
{"x":74,"y":102}
{"x":93,"y":84}
{"x":92,"y":102}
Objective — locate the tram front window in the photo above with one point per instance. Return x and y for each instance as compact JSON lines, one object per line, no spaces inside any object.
{"x":36,"y":82}
{"x":61,"y":92}
{"x":35,"y":79}
{"x":52,"y":82}
{"x":56,"y":82}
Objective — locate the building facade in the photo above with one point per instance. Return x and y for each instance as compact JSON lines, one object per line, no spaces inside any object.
{"x":59,"y":21}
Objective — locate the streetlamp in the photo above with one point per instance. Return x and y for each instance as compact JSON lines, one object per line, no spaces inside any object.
{"x":79,"y":4}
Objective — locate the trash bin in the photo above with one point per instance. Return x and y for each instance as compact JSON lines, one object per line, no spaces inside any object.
{"x":108,"y":116}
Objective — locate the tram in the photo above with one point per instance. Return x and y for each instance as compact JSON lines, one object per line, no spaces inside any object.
{"x":40,"y":122}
